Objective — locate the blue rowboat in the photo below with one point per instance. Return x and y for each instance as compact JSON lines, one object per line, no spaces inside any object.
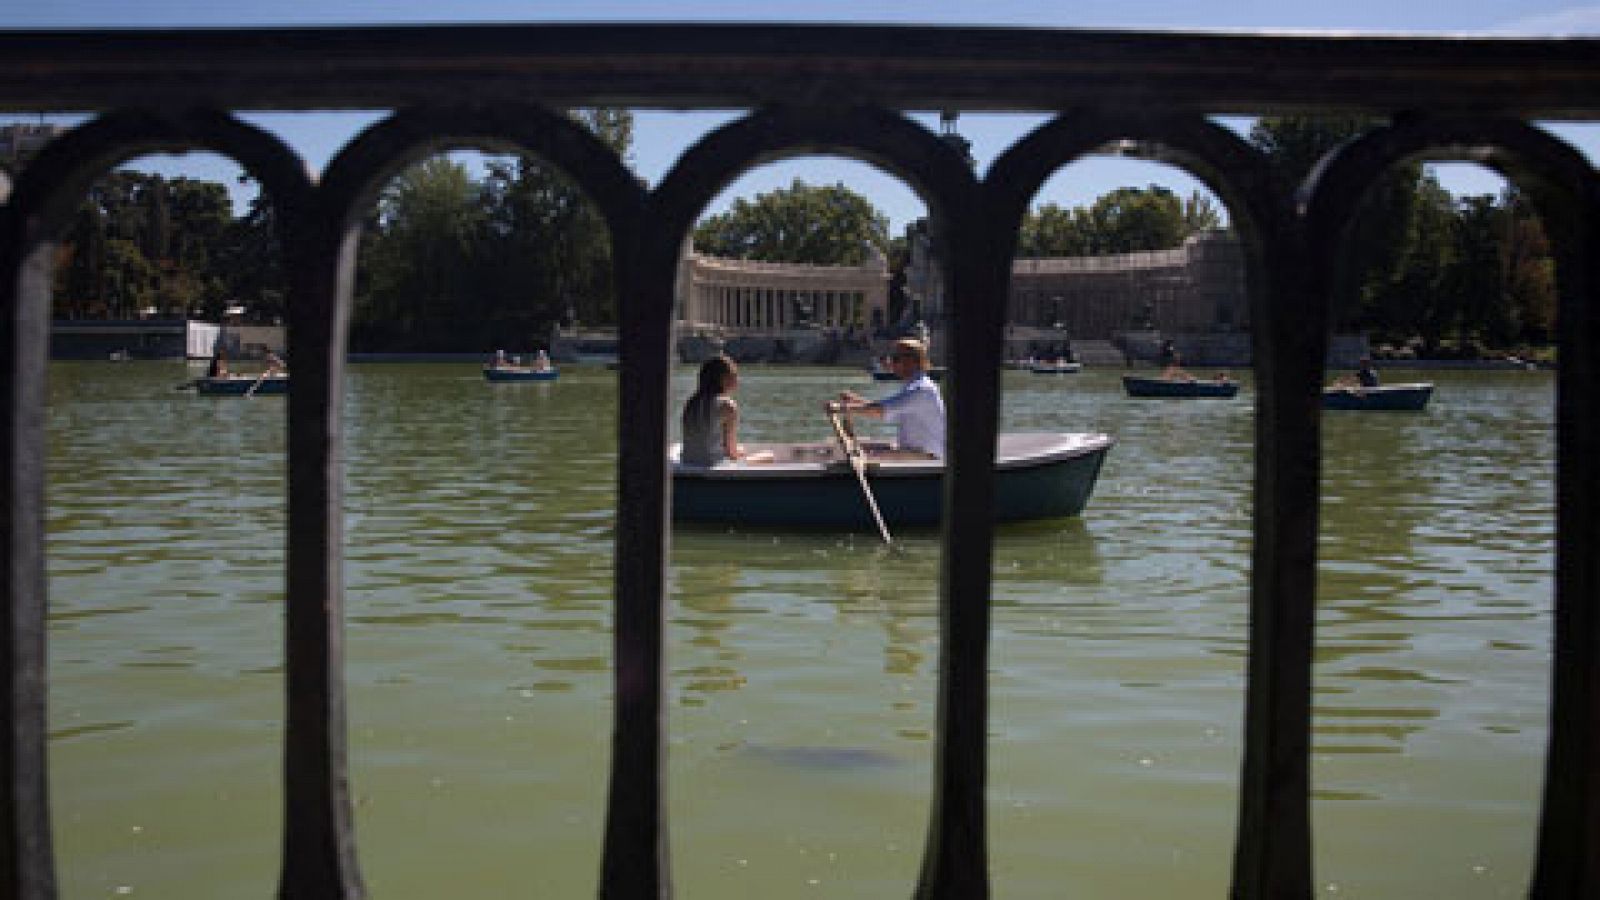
{"x":240,"y":385}
{"x":1164,"y":387}
{"x":1037,"y":476}
{"x":518,"y":373}
{"x":1409,"y":397}
{"x":1056,"y":368}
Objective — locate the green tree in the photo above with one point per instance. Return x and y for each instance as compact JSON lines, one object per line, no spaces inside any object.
{"x":1413,"y":295}
{"x":155,"y":239}
{"x":1126,"y":220}
{"x":458,"y":264}
{"x":821,"y":225}
{"x":1133,"y":220}
{"x":1295,"y":144}
{"x":548,"y":253}
{"x":81,"y":273}
{"x":420,"y":260}
{"x":1377,"y":244}
{"x":1051,"y":230}
{"x":1530,"y":272}
{"x":249,"y":263}
{"x":1477,"y":276}
{"x":129,"y":280}
{"x":199,"y":214}
{"x":140,"y":241}
{"x":106,"y":269}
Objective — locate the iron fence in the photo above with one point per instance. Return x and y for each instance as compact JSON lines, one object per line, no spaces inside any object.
{"x":834,"y":89}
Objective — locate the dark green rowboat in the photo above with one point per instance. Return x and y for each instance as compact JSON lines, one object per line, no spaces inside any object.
{"x":1037,"y":476}
{"x":242,"y":385}
{"x":1405,"y":397}
{"x":1166,"y":387}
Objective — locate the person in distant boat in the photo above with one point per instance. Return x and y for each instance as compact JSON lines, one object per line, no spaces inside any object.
{"x":711,"y":415}
{"x":499,"y":361}
{"x":916,"y":409}
{"x":541,"y":362}
{"x":1169,"y":354}
{"x":1366,"y":376}
{"x":1174,"y":370}
{"x":275,"y":365}
{"x":219,"y":364}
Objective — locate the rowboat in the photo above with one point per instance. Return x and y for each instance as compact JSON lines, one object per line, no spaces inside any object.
{"x":1409,"y":397}
{"x":1037,"y":476}
{"x":519,"y":373}
{"x":242,"y":385}
{"x":1166,"y":387}
{"x":1056,"y":368}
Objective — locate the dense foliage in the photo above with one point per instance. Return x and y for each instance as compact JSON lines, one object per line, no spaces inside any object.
{"x":140,"y":241}
{"x":1428,"y":270}
{"x":448,"y":262}
{"x":1127,"y":220}
{"x":452,"y":263}
{"x":821,"y":225}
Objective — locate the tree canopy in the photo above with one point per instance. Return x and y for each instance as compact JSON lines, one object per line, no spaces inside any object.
{"x":1423,"y":265}
{"x":1126,"y":220}
{"x":448,"y":261}
{"x":823,"y":225}
{"x":457,"y":263}
{"x":140,"y":241}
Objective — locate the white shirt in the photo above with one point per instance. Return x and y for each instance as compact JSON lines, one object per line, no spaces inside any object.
{"x":917,"y":411}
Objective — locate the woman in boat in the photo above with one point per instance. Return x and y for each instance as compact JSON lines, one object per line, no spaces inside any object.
{"x":219,"y":363}
{"x":711,"y":415}
{"x":917,"y":409}
{"x":541,"y":361}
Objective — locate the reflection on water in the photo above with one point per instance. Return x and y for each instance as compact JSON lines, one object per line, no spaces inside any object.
{"x":802,"y":665}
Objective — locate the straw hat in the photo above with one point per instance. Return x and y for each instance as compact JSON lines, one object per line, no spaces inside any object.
{"x":913,"y":347}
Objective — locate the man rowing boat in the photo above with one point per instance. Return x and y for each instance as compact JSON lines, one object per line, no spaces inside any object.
{"x":916,"y":409}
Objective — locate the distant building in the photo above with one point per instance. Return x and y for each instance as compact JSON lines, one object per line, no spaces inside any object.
{"x":1194,"y":288}
{"x":1197,"y":286}
{"x":780,"y":312}
{"x":19,"y":142}
{"x":750,"y":295}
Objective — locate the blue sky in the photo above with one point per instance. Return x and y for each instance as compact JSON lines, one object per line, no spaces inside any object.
{"x":660,"y":136}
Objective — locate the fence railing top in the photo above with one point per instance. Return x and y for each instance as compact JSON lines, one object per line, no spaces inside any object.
{"x":691,"y":66}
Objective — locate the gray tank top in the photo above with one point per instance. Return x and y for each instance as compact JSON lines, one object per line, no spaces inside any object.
{"x":702,"y":435}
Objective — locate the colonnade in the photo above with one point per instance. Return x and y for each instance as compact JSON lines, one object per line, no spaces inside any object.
{"x":761,"y":296}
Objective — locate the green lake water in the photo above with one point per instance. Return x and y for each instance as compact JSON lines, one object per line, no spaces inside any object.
{"x":802,"y":666}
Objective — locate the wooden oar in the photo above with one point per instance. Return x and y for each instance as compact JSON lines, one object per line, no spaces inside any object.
{"x":852,"y":451}
{"x":264,"y":374}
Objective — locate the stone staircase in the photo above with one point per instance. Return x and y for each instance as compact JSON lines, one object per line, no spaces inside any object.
{"x":1098,"y":354}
